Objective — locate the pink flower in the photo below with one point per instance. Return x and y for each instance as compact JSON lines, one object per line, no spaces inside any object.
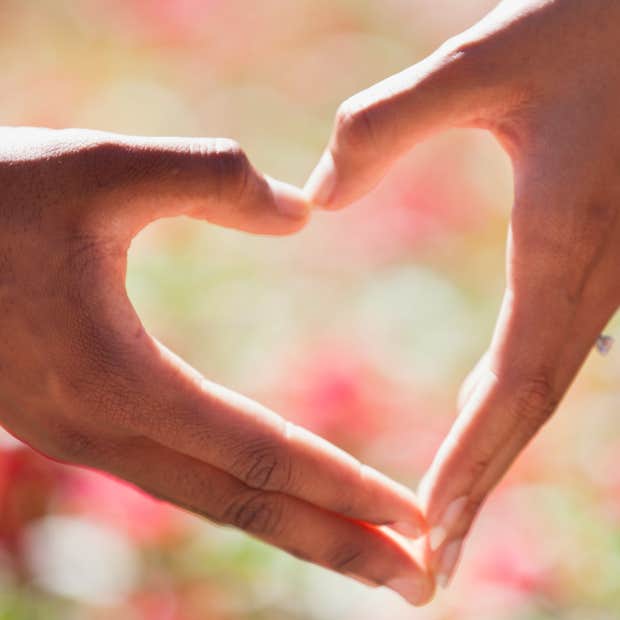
{"x":340,"y":393}
{"x":336,"y":396}
{"x":507,"y":551}
{"x":513,"y":562}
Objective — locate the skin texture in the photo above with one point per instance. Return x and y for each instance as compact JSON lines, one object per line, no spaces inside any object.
{"x":84,"y":383}
{"x":544,"y":77}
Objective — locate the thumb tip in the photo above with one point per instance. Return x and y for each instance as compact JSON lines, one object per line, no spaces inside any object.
{"x":319,"y":188}
{"x":290,"y":201}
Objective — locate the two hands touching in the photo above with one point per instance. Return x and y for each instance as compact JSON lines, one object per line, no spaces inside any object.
{"x":83,"y":382}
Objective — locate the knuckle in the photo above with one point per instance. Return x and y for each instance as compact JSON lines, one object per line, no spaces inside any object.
{"x":345,"y":557}
{"x":110,"y":165}
{"x":105,"y":163}
{"x":263,"y":465}
{"x":535,"y":400}
{"x":72,"y":446}
{"x":257,"y":513}
{"x":477,"y":62}
{"x":465,"y":50}
{"x":478,"y":466}
{"x":232,"y":168}
{"x":478,"y":57}
{"x":354,"y":126}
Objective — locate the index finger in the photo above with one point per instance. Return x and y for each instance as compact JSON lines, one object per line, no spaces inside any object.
{"x":266,"y":452}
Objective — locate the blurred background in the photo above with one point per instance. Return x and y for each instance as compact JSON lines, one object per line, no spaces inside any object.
{"x":361,"y":327}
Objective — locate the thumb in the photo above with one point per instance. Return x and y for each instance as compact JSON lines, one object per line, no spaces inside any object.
{"x":454,"y":87}
{"x":138,"y":180}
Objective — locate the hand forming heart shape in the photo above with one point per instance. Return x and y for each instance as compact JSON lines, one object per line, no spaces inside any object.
{"x":543,"y":76}
{"x":82,"y":381}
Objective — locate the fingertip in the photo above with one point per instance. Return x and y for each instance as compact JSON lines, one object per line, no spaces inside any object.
{"x":289,"y":200}
{"x":436,"y":537}
{"x":320,"y":186}
{"x":418,"y":592}
{"x":399,"y":502}
{"x":410,"y":529}
{"x":414,"y":582}
{"x":447,"y":562}
{"x":413,"y":524}
{"x":427,"y":593}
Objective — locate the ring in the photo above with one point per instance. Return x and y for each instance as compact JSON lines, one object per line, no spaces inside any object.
{"x":604,"y":344}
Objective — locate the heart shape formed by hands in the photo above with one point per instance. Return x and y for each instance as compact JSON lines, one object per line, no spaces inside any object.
{"x":82,"y":381}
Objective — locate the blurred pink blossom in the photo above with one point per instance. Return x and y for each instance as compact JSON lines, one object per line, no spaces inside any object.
{"x":506,"y":551}
{"x":340,"y":393}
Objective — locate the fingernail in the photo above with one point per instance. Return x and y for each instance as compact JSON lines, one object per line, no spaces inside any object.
{"x":451,"y":515}
{"x":410,"y":589}
{"x":289,"y":200}
{"x":320,"y":186}
{"x":447,"y":563}
{"x":411,"y":530}
{"x":436,"y":537}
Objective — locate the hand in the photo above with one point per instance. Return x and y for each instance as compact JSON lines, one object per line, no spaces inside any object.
{"x":544,"y":77}
{"x":82,"y":381}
